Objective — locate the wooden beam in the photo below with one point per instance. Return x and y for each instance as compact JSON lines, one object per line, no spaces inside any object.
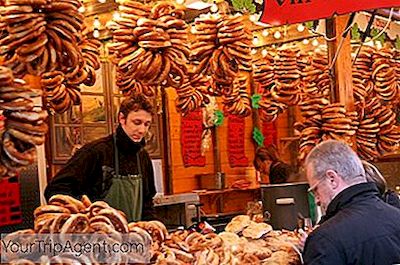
{"x":341,"y":73}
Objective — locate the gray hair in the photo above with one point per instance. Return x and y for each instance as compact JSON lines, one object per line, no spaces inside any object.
{"x":339,"y":157}
{"x":373,"y":174}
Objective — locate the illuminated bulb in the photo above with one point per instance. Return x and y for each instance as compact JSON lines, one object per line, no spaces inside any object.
{"x":253,"y":51}
{"x":96,"y":33}
{"x":116,"y":16}
{"x":253,"y":18}
{"x":82,"y":9}
{"x":378,"y":45}
{"x":306,"y":42}
{"x":370,"y":43}
{"x":265,"y":33}
{"x":255,"y":40}
{"x":102,"y":1}
{"x":96,"y":23}
{"x":277,"y":35}
{"x":193,"y":30}
{"x":315,"y":42}
{"x":180,"y":2}
{"x":301,"y":28}
{"x":214,"y":8}
{"x":264,"y":53}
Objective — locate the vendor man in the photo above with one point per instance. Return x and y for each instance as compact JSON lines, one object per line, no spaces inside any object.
{"x":116,"y":169}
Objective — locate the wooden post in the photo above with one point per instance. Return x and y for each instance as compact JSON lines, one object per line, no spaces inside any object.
{"x":167,"y":164}
{"x":342,"y":83}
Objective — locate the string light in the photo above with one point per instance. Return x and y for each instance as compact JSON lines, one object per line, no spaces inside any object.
{"x":370,"y":43}
{"x":255,"y":40}
{"x":96,"y":23}
{"x":82,"y":9}
{"x":180,"y":2}
{"x":193,"y":30}
{"x":214,"y":8}
{"x":96,"y":33}
{"x":264,"y":53}
{"x":102,"y":1}
{"x":301,"y":28}
{"x":253,"y":18}
{"x":378,"y":45}
{"x":277,"y":35}
{"x":306,"y":42}
{"x":265,"y":33}
{"x":315,"y":42}
{"x":116,"y":16}
{"x":253,"y":51}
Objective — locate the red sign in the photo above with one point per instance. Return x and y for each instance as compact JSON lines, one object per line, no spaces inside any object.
{"x":191,"y":131}
{"x":10,"y":202}
{"x":279,"y":12}
{"x":270,"y":133}
{"x":236,"y":151}
{"x":2,"y":118}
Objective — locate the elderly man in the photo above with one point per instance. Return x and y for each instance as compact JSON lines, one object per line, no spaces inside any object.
{"x":358,"y":227}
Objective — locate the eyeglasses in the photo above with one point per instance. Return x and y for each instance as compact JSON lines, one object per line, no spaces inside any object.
{"x":313,"y":187}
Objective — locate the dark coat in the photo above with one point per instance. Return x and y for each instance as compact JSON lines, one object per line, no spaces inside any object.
{"x":83,"y":173}
{"x":391,"y":198}
{"x":358,"y":228}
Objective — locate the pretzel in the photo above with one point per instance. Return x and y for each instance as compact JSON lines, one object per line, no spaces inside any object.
{"x":77,"y":223}
{"x":49,"y":209}
{"x":117,"y":219}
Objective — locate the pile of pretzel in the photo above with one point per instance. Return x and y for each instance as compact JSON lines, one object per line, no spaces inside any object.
{"x":314,"y":70}
{"x":221,"y":48}
{"x":287,"y":77}
{"x":310,"y":131}
{"x":65,"y":215}
{"x":150,"y":45}
{"x":362,"y":83}
{"x":39,"y":36}
{"x":25,"y":124}
{"x":61,"y":89}
{"x":263,"y":74}
{"x":384,"y":75}
{"x":337,"y":124}
{"x":377,"y":132}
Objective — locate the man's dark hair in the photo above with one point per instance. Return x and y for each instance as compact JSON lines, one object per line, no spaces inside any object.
{"x":136,"y":102}
{"x":265,"y":153}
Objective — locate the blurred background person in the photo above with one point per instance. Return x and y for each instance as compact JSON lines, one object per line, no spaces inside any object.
{"x":373,"y":174}
{"x":268,"y":165}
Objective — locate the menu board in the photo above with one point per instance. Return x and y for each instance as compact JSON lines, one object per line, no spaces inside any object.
{"x":191,"y":131}
{"x":236,"y":150}
{"x":270,"y":133}
{"x":10,"y":201}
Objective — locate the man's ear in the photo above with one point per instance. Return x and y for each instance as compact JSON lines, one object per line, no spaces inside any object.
{"x":121,"y":117}
{"x":333,"y":178}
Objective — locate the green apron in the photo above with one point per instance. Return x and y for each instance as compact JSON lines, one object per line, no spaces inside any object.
{"x":126,"y":192}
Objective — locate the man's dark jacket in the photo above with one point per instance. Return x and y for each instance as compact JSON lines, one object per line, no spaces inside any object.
{"x":359,"y":228}
{"x":83,"y":173}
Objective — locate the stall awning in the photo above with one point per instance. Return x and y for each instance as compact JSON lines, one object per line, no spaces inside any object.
{"x":280,"y":12}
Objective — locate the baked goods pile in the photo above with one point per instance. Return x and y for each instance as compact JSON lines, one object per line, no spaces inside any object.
{"x":244,"y":242}
{"x":221,"y":48}
{"x":371,"y":126}
{"x":25,"y":124}
{"x":44,"y":38}
{"x":152,"y":46}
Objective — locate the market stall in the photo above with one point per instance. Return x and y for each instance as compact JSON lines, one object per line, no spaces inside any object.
{"x":223,"y":83}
